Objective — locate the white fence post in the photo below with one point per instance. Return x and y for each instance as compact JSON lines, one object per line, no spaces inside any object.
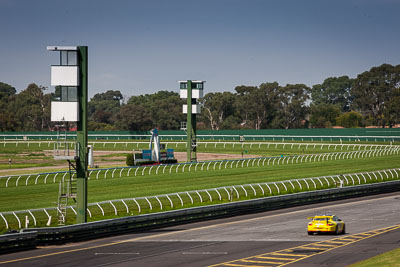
{"x":179,"y":198}
{"x":102,"y":211}
{"x":255,"y":193}
{"x":151,"y":207}
{"x":245,"y":192}
{"x":201,"y":199}
{"x":19,"y":222}
{"x":305,"y":181}
{"x":227,"y":192}
{"x":262,"y":189}
{"x":301,"y":188}
{"x":139,"y":209}
{"x":48,"y":217}
{"x":115,"y":209}
{"x":170,"y":201}
{"x":27,"y":179}
{"x":161,"y":206}
{"x":4,"y":220}
{"x":34,"y":219}
{"x":88,"y":211}
{"x":191,"y":199}
{"x":237,"y":192}
{"x":45,"y":178}
{"x":284,"y":186}
{"x":16,"y":183}
{"x":291,"y":184}
{"x":277,"y":188}
{"x":209,"y":195}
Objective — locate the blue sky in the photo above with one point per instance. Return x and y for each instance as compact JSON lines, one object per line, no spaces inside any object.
{"x":141,"y":47}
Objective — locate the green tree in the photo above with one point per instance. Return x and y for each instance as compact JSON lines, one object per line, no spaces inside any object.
{"x":392,"y":111}
{"x":167,"y":113}
{"x":32,"y":109}
{"x":231,"y":122}
{"x":103,"y":106}
{"x":243,"y":104}
{"x":323,"y":115}
{"x":333,"y":91}
{"x":99,"y":126}
{"x":8,"y":121}
{"x":373,"y":89}
{"x":134,"y":118}
{"x":257,"y":105}
{"x":6,"y":91}
{"x":292,"y":106}
{"x":164,"y":109}
{"x":350,"y":119}
{"x":217,"y":107}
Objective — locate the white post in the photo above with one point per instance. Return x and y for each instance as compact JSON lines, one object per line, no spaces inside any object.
{"x":90,"y":156}
{"x":26,"y":221}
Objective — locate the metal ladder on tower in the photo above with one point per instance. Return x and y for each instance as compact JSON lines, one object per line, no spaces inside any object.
{"x":62,"y":205}
{"x":61,"y":144}
{"x":67,"y":190}
{"x":71,"y":192}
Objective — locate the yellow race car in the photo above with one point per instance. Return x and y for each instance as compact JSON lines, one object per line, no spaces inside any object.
{"x":326,"y":223}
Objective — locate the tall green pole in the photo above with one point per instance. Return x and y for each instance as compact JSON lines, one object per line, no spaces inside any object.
{"x":189,"y":121}
{"x":194,"y":134}
{"x":82,"y":136}
{"x":191,"y":124}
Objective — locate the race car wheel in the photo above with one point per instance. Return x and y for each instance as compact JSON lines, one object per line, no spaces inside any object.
{"x":344,"y":229}
{"x":309,"y":233}
{"x":337,"y":230}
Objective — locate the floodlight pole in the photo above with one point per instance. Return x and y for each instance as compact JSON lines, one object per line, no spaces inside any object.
{"x":82,"y":138}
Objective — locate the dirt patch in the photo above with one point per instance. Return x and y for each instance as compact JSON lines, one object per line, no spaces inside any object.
{"x":181,"y":156}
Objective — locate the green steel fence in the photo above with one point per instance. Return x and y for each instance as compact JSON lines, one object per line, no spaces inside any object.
{"x":354,"y":134}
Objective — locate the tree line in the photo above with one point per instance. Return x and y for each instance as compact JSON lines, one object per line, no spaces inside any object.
{"x":370,"y":99}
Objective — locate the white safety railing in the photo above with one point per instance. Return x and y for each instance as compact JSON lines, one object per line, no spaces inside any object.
{"x":109,"y":173}
{"x":138,"y":205}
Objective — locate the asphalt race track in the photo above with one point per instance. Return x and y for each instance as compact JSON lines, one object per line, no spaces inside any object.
{"x":274,"y":238}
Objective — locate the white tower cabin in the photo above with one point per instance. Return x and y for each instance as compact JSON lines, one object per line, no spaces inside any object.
{"x":65,"y":106}
{"x":197,"y":92}
{"x":65,"y":77}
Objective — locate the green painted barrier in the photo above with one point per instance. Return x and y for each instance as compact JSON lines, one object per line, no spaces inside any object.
{"x":353,"y":134}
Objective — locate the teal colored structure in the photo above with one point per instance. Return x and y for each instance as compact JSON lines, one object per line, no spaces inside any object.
{"x":177,"y":135}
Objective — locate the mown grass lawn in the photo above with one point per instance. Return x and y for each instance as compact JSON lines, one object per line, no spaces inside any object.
{"x":391,"y":258}
{"x":38,"y":154}
{"x":41,"y":196}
